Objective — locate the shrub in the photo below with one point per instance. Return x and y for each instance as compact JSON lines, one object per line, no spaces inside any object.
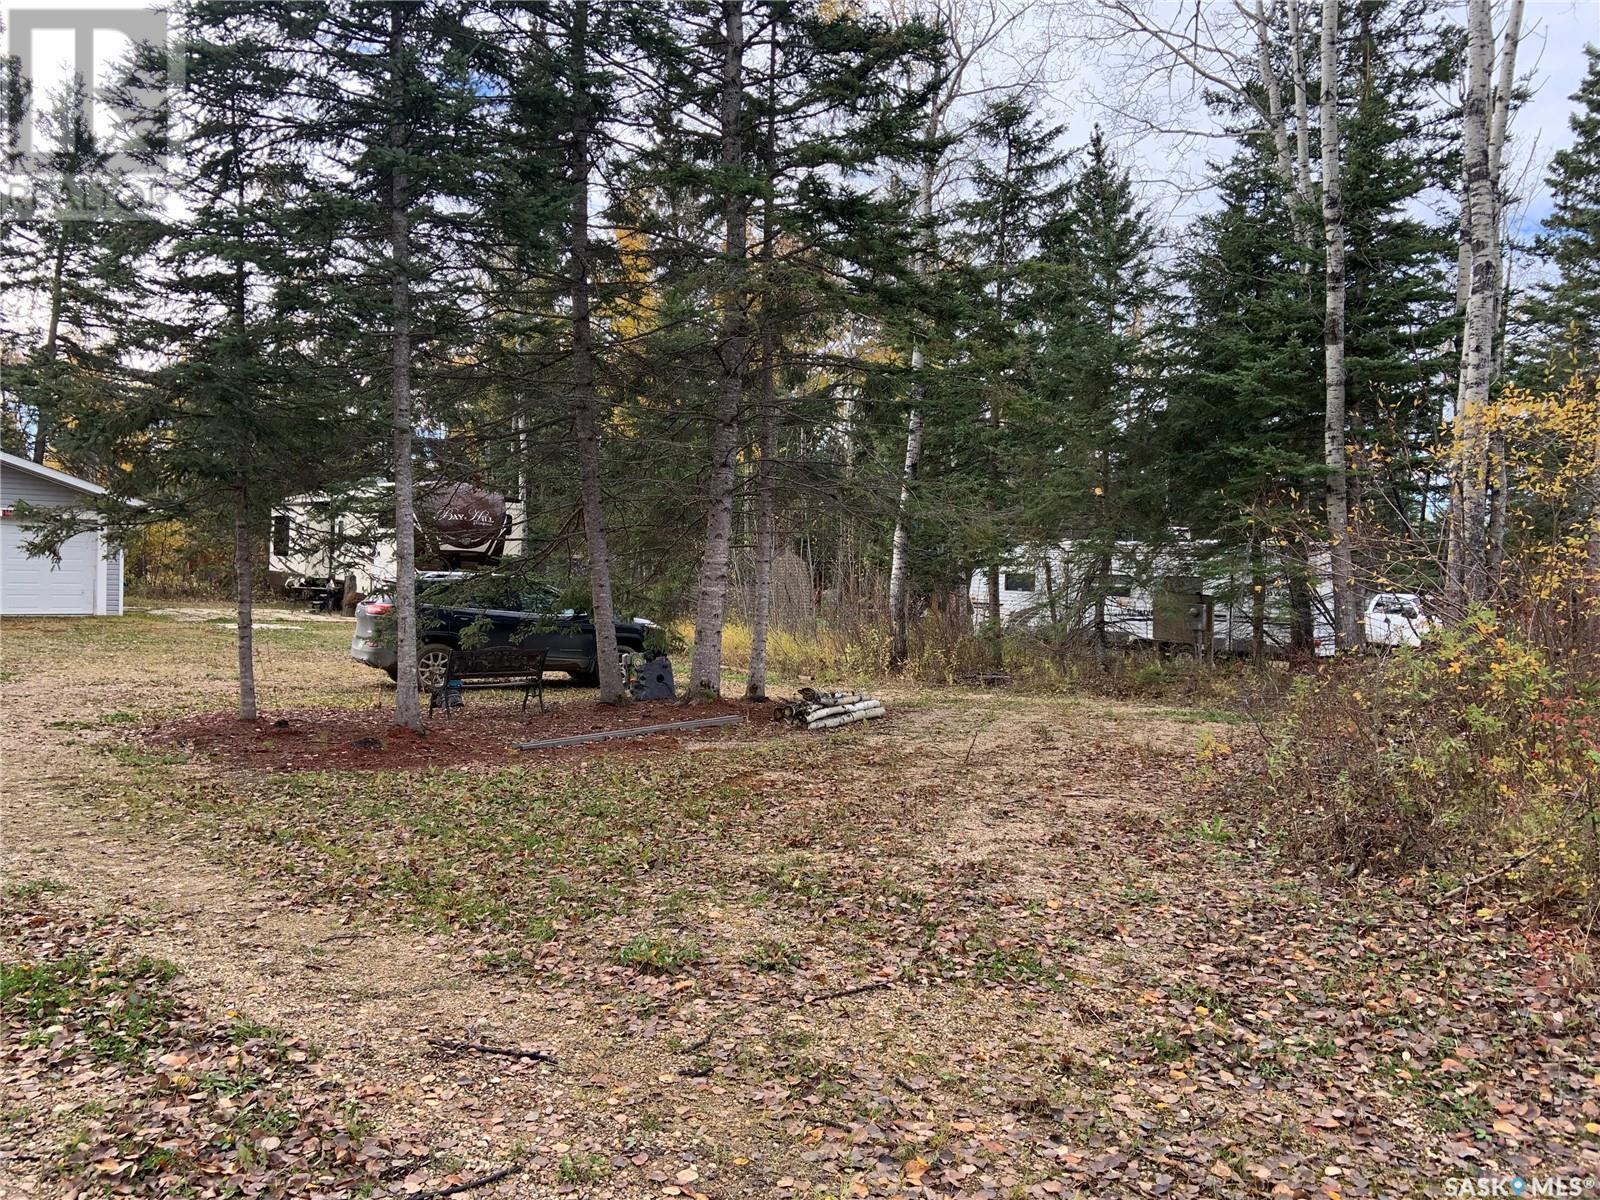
{"x":1473,"y":746}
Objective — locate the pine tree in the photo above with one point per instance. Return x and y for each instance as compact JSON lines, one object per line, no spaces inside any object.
{"x":1016,"y":188}
{"x":1399,"y":304}
{"x":397,"y":114}
{"x":219,"y":413}
{"x":1565,"y":311}
{"x":1094,"y":371}
{"x":70,"y":244}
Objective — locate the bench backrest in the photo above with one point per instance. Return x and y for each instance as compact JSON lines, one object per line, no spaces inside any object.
{"x":497,"y":662}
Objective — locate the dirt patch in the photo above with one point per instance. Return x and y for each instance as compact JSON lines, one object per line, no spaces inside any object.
{"x":487,"y":731}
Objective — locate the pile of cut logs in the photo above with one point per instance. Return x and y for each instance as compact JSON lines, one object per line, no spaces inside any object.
{"x":829,"y":710}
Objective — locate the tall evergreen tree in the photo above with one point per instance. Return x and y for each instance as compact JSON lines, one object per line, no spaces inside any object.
{"x":69,"y":243}
{"x":1095,"y":372}
{"x":1565,"y":311}
{"x":397,"y":111}
{"x":1017,"y":187}
{"x":1241,"y":431}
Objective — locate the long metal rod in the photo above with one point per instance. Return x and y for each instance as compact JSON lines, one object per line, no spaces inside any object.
{"x":636,"y":731}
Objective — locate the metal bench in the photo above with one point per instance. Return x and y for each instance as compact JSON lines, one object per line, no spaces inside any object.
{"x":493,"y":666}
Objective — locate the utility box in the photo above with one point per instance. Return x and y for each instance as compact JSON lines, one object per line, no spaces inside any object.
{"x":1181,"y":614}
{"x":653,"y":680}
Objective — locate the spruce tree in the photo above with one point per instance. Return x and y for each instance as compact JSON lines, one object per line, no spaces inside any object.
{"x":1095,"y":402}
{"x":1242,"y":430}
{"x":396,"y":113}
{"x":1017,"y":186}
{"x":1565,"y":311}
{"x":70,"y":244}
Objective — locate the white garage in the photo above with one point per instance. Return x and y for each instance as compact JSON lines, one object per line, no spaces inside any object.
{"x":86,"y":578}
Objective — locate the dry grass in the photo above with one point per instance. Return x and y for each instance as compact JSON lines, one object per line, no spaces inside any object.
{"x":1069,"y":958}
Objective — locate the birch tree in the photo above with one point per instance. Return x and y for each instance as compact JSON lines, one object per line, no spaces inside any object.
{"x":971,"y":29}
{"x":1347,"y":633}
{"x":1484,"y":121}
{"x":1241,"y":64}
{"x":407,"y":707}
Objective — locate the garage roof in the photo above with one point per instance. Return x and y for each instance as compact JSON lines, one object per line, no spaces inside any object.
{"x":13,"y":462}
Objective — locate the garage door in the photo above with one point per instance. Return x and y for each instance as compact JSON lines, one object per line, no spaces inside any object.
{"x":40,"y":585}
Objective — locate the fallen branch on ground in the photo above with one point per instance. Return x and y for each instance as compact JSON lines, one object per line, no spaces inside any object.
{"x":1509,"y":864}
{"x":481,"y":1048}
{"x":470,"y":1184}
{"x":859,"y":988}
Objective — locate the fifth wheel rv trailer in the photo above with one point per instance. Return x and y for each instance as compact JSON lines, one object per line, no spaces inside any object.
{"x":318,"y":542}
{"x":1182,"y":599}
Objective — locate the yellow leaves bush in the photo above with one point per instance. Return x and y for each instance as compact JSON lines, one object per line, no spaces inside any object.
{"x":1475,"y":745}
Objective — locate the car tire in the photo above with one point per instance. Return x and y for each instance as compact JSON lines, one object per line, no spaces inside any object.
{"x":433,"y":660}
{"x":591,"y":677}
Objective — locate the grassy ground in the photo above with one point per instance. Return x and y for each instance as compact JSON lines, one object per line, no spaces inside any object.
{"x":994,"y":946}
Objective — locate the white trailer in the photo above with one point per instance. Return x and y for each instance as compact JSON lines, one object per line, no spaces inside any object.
{"x":319,"y":541}
{"x":1175,"y":598}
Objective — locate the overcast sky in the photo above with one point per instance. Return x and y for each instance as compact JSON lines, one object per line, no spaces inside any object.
{"x":1083,"y":81}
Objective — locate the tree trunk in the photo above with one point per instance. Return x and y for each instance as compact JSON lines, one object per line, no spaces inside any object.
{"x":407,"y":709}
{"x":585,"y":403}
{"x":1590,"y":386}
{"x":1496,"y":438}
{"x":43,"y":420}
{"x":1102,"y":582}
{"x":244,"y":588}
{"x":766,"y":521}
{"x":996,"y":620}
{"x":1302,"y":113}
{"x":900,"y":548}
{"x":1302,"y":622}
{"x":1258,"y":604}
{"x":1295,"y":182}
{"x":1347,"y":631}
{"x":900,"y":554}
{"x":1050,"y":597}
{"x":767,"y":440}
{"x":705,"y":668}
{"x":1468,"y":579}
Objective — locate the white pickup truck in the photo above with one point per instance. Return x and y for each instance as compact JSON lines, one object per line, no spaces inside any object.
{"x":1395,"y":619}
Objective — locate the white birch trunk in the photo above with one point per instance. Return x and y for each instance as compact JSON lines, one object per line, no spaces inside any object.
{"x":1468,"y":579}
{"x":1296,"y":184}
{"x":1347,"y":630}
{"x":900,"y":547}
{"x":705,"y":666}
{"x":900,"y":552}
{"x":1302,"y":115}
{"x":1496,"y":445}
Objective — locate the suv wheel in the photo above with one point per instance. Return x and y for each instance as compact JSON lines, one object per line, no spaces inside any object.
{"x":433,"y":662}
{"x":591,"y":677}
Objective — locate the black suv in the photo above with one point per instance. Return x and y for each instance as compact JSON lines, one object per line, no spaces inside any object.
{"x":526,"y":618}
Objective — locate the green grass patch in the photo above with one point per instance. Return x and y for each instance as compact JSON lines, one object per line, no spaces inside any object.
{"x":32,"y":889}
{"x":658,"y":956}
